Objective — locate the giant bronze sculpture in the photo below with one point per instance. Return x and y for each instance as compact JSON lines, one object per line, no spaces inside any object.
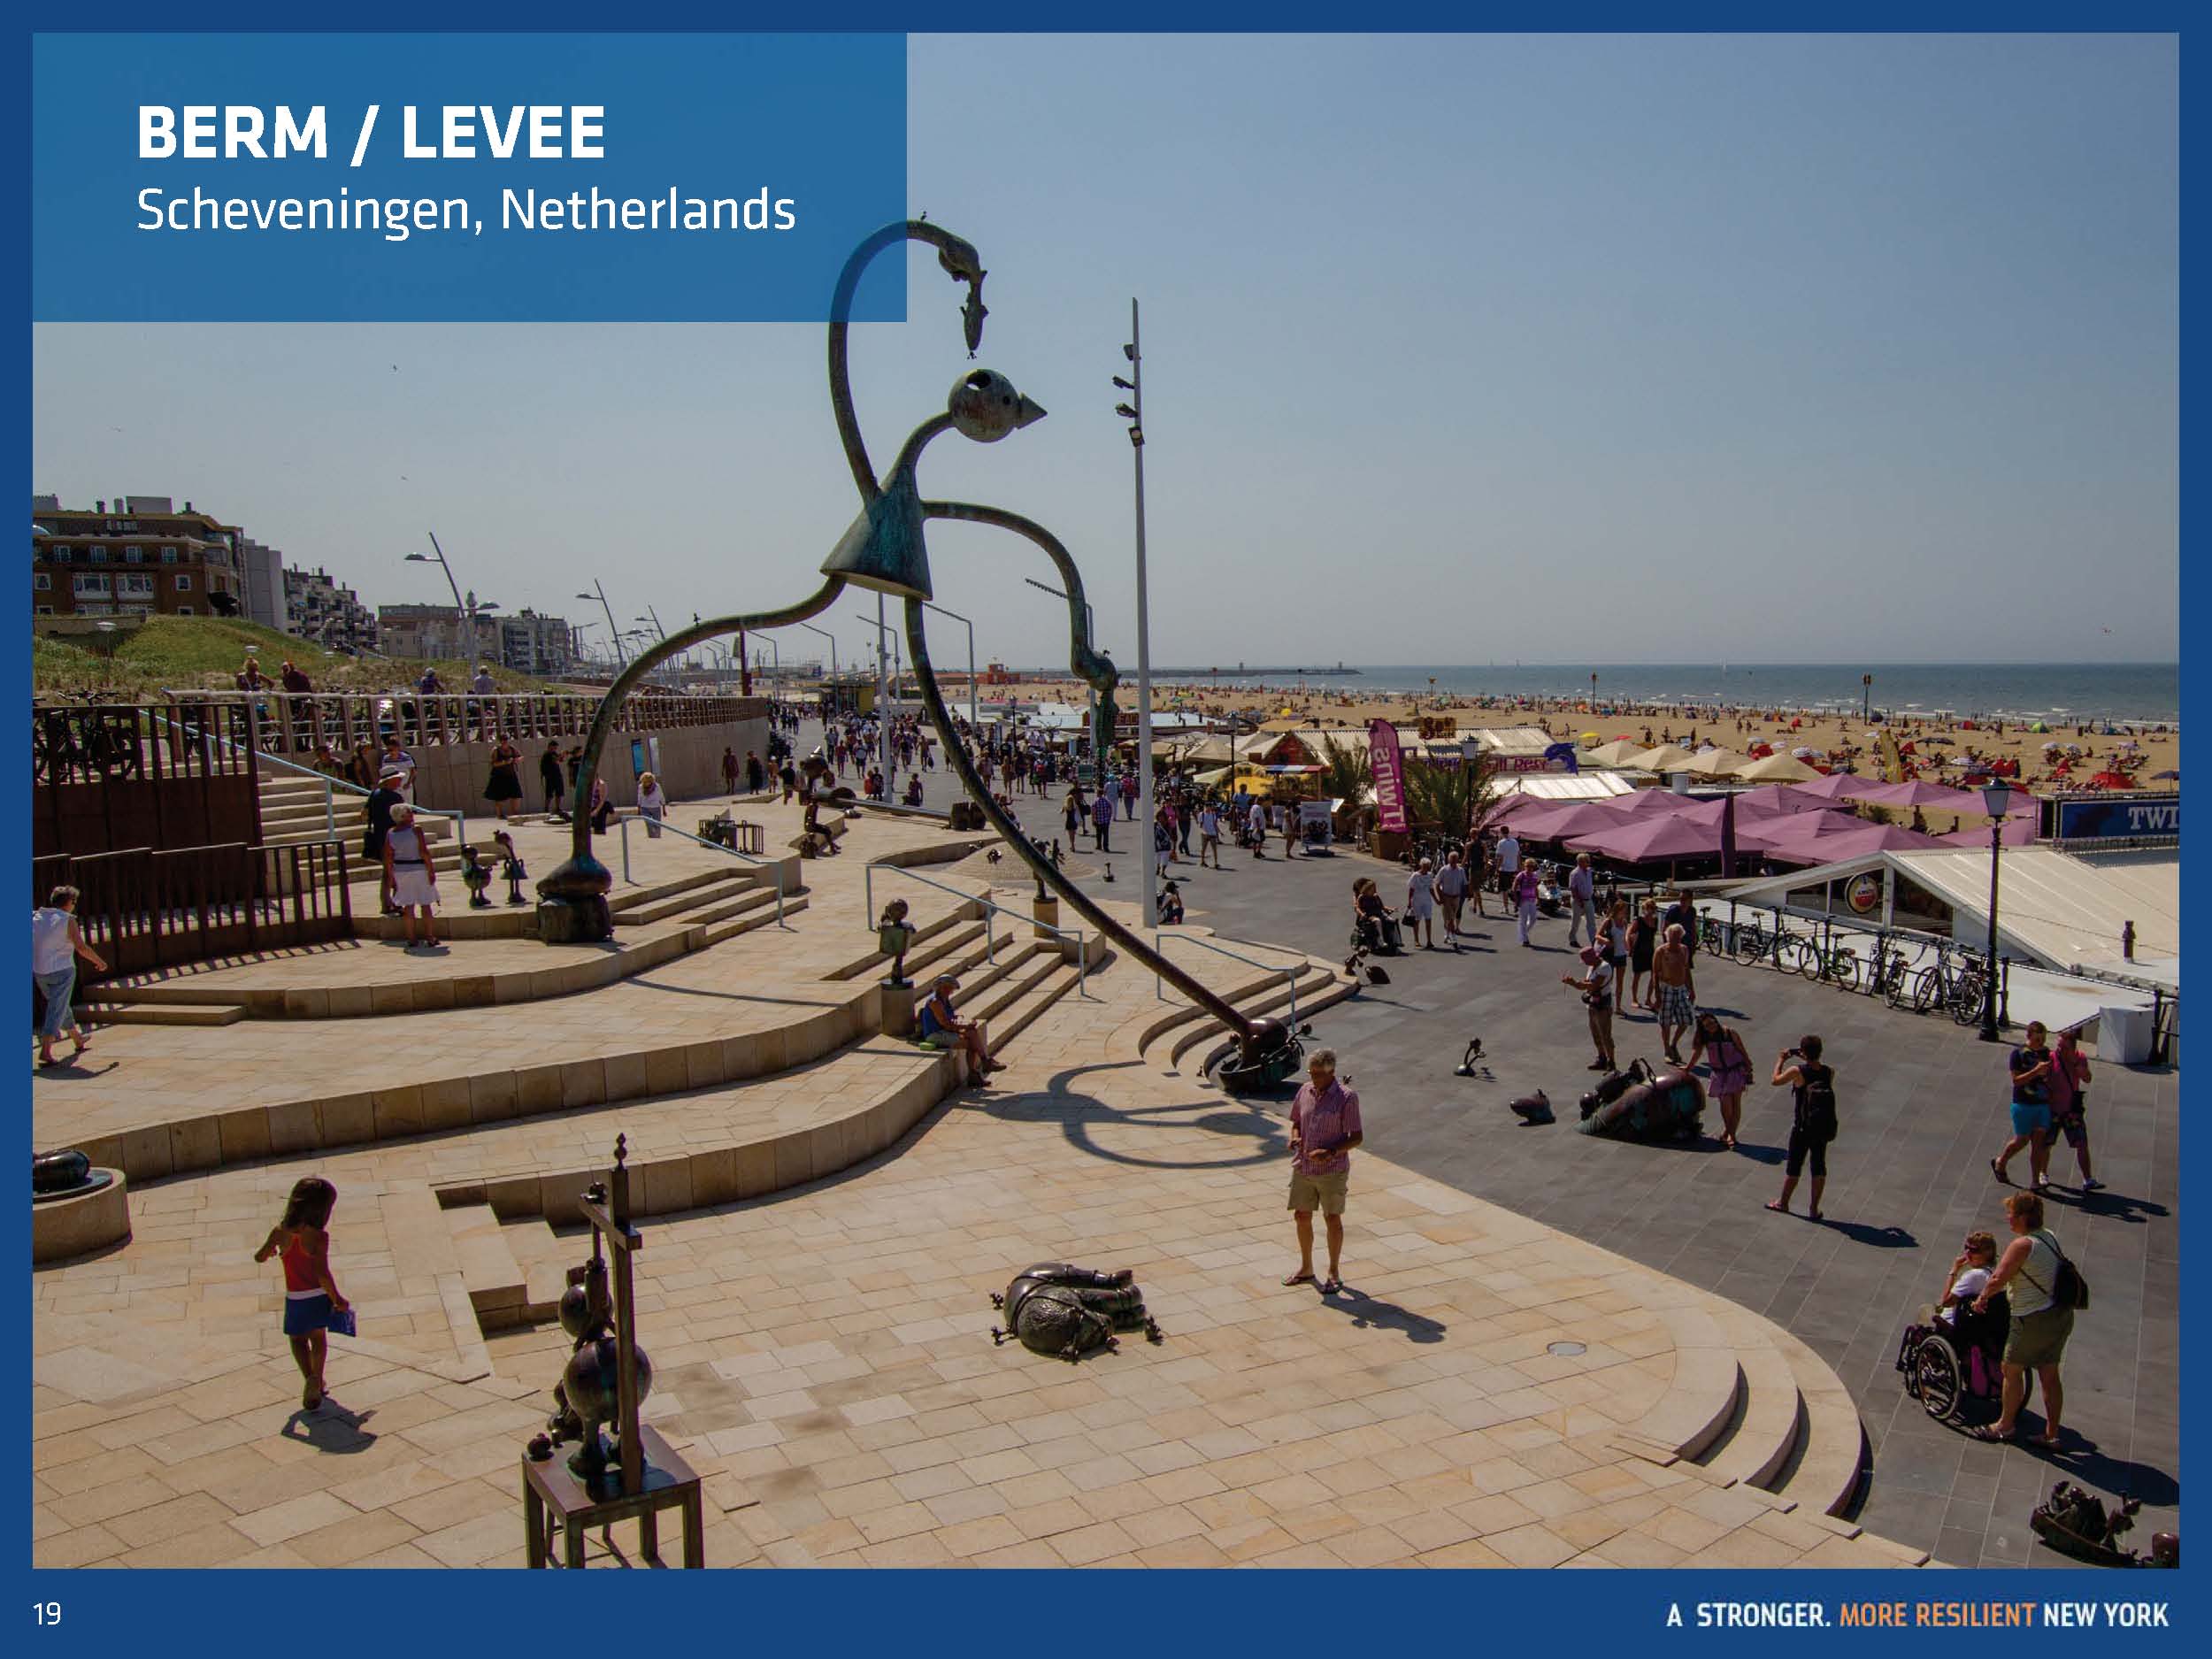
{"x":884,"y":550}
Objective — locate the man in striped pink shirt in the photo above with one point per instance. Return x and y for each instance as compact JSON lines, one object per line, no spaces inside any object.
{"x":1325,"y":1126}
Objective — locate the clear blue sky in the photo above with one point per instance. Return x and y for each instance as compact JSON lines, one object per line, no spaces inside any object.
{"x":1555,"y":348}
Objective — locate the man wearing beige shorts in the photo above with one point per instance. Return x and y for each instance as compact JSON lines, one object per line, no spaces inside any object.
{"x":1325,"y":1127}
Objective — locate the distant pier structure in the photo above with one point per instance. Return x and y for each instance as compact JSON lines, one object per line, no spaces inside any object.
{"x":1243,"y":672}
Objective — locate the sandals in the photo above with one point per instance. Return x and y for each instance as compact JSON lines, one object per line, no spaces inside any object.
{"x":1998,"y":1170}
{"x":1988,"y":1432}
{"x":1330,"y":1286}
{"x":1298,"y":1278}
{"x":1778,"y":1206}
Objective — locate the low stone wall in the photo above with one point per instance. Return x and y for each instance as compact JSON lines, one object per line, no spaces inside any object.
{"x":688,"y":760}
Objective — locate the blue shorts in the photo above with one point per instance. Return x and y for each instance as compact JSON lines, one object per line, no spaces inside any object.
{"x":2027,"y":1120}
{"x":303,"y":1315}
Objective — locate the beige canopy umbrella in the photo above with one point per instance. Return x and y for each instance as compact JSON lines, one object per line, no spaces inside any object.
{"x":1620,"y":752}
{"x":1777,"y":769}
{"x":1666,"y":757}
{"x":1717,"y":763}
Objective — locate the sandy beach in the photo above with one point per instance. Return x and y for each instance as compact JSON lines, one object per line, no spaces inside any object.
{"x":2137,"y":751}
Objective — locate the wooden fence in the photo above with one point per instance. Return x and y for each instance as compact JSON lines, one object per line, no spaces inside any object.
{"x":143,"y":910}
{"x":110,"y":776}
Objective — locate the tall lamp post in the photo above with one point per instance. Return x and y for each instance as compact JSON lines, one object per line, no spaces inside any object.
{"x":883,"y":694}
{"x":1132,"y":412}
{"x":1996,"y":800}
{"x":468,"y":608}
{"x":831,"y":638}
{"x":1866,"y":696}
{"x":974,"y":720}
{"x":621,"y":661}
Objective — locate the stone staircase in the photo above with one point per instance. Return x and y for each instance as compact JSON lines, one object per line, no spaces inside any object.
{"x":1169,"y":1042}
{"x":1750,"y":1408}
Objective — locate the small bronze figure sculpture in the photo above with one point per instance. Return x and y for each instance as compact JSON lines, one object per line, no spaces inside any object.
{"x":894,"y":937}
{"x":476,"y":875}
{"x":2075,"y":1522}
{"x":512,"y":868}
{"x":1065,"y":1312}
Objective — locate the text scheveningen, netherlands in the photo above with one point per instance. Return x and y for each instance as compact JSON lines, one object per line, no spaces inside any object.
{"x":536,"y":133}
{"x":1931,"y":1614}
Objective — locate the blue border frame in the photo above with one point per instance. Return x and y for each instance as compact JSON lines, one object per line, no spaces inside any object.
{"x":191,"y":1613}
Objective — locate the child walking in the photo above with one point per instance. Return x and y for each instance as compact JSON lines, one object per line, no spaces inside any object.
{"x":312,"y":1303}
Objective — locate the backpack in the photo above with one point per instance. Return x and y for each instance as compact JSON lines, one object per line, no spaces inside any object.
{"x":2067,"y":1288}
{"x":1816,"y":1106}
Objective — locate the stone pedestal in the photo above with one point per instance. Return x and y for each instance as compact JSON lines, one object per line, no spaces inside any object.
{"x":898,"y":1008}
{"x":1047,"y":914}
{"x":581,"y":921}
{"x":65,"y":1227}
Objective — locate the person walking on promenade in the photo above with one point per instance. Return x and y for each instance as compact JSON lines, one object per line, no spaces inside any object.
{"x":1598,"y":985}
{"x":729,"y":769}
{"x":1325,"y":1127}
{"x":1209,"y":835}
{"x":554,"y":778}
{"x":503,"y":788}
{"x":376,"y":827}
{"x":1673,"y":992}
{"x":1102,"y":817}
{"x":2029,"y":1275}
{"x":1643,"y":945}
{"x":1074,"y":810}
{"x":1129,"y":795}
{"x":410,"y":876}
{"x":756,"y":774}
{"x":1451,"y":891}
{"x":57,"y":942}
{"x":1421,"y":905}
{"x":1582,"y":895}
{"x":1722,"y":1050}
{"x":652,"y":805}
{"x":1615,"y":943}
{"x":1522,"y":894}
{"x":1477,"y":873}
{"x":1812,"y":1121}
{"x":2070,"y":1098}
{"x":1683,"y":914}
{"x":397,"y":759}
{"x":1508,"y":860}
{"x":2029,"y":1068}
{"x":312,"y":1303}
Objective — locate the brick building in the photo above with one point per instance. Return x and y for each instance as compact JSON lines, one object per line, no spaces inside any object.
{"x":319,"y":609}
{"x":135,"y":556}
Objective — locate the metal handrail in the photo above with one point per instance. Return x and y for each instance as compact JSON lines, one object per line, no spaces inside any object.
{"x":774,"y":865}
{"x":990,"y":907}
{"x":1160,"y":936}
{"x":330,"y":785}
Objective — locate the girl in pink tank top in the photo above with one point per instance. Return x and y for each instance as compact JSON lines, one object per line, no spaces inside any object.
{"x":312,"y":1305}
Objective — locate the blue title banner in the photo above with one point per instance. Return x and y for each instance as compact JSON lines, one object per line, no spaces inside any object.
{"x":409,"y":178}
{"x":2103,"y":817}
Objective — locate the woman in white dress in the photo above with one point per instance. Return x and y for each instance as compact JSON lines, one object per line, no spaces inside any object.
{"x":409,"y":877}
{"x":651,"y":804}
{"x":1421,"y":905}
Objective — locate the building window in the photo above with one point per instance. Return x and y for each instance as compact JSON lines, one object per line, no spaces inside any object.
{"x":45,"y":611}
{"x":41,"y":582}
{"x":133,"y":556}
{"x":93,"y":609}
{"x":140,"y":609}
{"x":99,"y":554}
{"x":168,"y":556}
{"x":135,"y":582}
{"x":60,"y":555}
{"x":184,"y":583}
{"x":92,"y":582}
{"x":184,"y":610}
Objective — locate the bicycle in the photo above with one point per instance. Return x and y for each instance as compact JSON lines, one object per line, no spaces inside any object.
{"x":1752,"y":943}
{"x":1970,"y":987}
{"x":1891,"y":979}
{"x":1832,"y":964}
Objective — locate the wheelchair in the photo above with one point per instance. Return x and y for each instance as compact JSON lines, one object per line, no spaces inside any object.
{"x":1382,"y":936}
{"x":1947,"y":1363}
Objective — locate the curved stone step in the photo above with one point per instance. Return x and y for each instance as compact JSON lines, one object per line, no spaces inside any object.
{"x":1700,"y":1398}
{"x":1017,"y":1017}
{"x":1827,"y":1467}
{"x":1767,"y":1423}
{"x":1323,"y":987}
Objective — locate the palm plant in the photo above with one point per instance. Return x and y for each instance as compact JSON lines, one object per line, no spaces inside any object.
{"x":1452,"y":801}
{"x":1346,"y":773}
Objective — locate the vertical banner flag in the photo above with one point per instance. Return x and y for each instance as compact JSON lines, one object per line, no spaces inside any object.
{"x":1390,"y":782}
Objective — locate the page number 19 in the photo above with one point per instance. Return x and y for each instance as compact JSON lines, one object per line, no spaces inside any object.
{"x":45,"y":1613}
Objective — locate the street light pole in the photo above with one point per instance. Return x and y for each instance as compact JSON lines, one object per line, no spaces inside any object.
{"x":831,"y":638}
{"x":622,"y":661}
{"x":1148,"y":845}
{"x":1997,"y":800}
{"x":974,"y":720}
{"x":1866,"y":697}
{"x":1090,"y":625}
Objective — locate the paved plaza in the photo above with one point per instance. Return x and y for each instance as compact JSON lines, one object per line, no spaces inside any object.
{"x":1551,"y":1351}
{"x":1922,"y":1109}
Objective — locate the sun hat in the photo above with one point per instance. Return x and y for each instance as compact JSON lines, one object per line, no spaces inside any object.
{"x":1589,"y":954}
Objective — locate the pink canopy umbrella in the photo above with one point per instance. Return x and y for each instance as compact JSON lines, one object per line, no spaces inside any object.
{"x":1775,"y":800}
{"x":1856,"y":842}
{"x":1641,"y":803}
{"x":1542,"y":821}
{"x":1651,"y":837}
{"x":1919,"y":792}
{"x":1840,"y":786}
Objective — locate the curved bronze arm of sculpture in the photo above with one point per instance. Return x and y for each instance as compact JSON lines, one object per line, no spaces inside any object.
{"x":583,"y":876}
{"x":961,"y":262}
{"x":956,"y":753}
